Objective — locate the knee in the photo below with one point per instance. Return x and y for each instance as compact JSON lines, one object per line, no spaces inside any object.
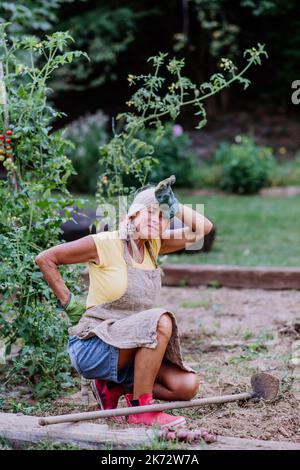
{"x":189,"y":387}
{"x":165,"y":325}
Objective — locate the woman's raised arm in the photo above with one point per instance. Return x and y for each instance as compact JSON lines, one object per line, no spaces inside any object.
{"x":197,"y":226}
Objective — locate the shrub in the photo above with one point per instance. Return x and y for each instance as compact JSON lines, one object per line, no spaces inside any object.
{"x":246,"y":167}
{"x":207,"y":175}
{"x":87,"y":134}
{"x":287,"y":173}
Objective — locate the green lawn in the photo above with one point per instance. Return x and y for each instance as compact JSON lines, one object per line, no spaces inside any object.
{"x":251,"y":230}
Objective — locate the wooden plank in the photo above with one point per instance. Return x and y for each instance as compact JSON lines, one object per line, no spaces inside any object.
{"x":22,"y":430}
{"x":231,"y":276}
{"x":237,"y":443}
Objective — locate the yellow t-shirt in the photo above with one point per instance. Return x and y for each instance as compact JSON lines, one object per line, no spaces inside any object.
{"x":108,"y":280}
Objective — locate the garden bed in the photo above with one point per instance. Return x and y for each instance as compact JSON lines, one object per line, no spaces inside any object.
{"x":231,"y":276}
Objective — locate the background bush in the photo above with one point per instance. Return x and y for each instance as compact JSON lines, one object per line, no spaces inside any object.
{"x":287,"y":173}
{"x":245,"y":166}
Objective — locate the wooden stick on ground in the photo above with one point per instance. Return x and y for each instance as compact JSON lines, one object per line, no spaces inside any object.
{"x":74,"y":417}
{"x":264,"y":386}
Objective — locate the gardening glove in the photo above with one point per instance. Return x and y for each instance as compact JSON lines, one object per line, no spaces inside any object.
{"x":74,"y":309}
{"x":168,"y":203}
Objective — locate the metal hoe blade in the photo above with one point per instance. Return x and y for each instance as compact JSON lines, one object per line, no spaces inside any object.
{"x":264,"y":386}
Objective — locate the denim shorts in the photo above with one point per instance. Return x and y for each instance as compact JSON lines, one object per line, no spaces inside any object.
{"x":93,"y":358}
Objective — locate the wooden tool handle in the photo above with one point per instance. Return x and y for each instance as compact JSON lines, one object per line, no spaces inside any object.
{"x":142,"y":409}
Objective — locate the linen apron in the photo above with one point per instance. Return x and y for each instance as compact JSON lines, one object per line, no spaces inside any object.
{"x":131,"y":320}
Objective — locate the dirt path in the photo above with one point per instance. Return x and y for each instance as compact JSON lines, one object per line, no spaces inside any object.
{"x":226,"y":335}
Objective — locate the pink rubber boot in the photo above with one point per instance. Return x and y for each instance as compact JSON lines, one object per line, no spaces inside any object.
{"x":158,"y":418}
{"x":108,"y":398}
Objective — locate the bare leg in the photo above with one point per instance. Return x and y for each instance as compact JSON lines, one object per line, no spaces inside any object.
{"x":162,"y":393}
{"x":149,"y":360}
{"x":170,"y":382}
{"x":173,"y":383}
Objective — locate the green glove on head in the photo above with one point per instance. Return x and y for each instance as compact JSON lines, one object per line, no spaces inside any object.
{"x":168,"y":203}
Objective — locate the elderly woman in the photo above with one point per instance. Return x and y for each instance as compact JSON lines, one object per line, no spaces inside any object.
{"x":123,"y":340}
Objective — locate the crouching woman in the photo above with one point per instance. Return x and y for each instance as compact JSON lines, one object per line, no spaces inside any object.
{"x":123,"y":341}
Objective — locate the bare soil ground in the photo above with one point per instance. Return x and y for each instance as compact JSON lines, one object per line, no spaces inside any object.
{"x":228,"y":334}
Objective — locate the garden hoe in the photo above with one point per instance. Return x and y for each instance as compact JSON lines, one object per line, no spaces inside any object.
{"x":264,"y":386}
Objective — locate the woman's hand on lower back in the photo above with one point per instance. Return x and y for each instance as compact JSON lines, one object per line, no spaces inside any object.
{"x":78,"y":251}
